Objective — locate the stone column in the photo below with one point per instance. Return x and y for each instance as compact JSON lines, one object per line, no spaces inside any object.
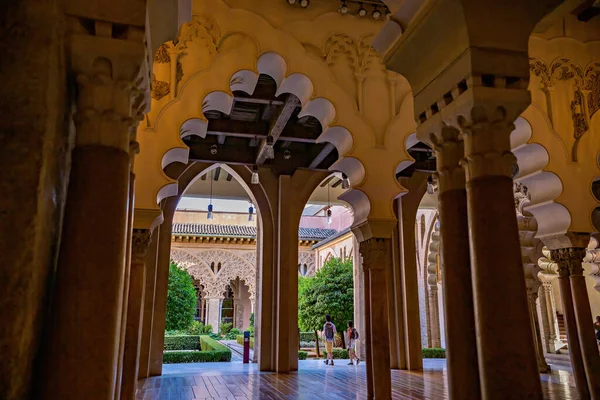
{"x":359,"y":298}
{"x":89,"y":277}
{"x":148,"y":312}
{"x":562,"y":258}
{"x":548,"y":314}
{"x":532,"y":296}
{"x":583,"y":315}
{"x":214,"y":313}
{"x":461,"y":352}
{"x":434,"y":317}
{"x":432,"y":293}
{"x":407,"y":207}
{"x":396,"y":304}
{"x":376,"y":254}
{"x":504,"y":336}
{"x":137,"y":283}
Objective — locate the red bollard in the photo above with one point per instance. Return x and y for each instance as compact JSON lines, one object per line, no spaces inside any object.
{"x":246,"y":347}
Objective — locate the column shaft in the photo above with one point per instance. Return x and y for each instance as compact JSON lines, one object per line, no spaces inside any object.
{"x":583,"y":317}
{"x":504,"y":339}
{"x":572,"y":336}
{"x":367,"y":333}
{"x":434,"y":317}
{"x":137,"y":284}
{"x":148,"y":317}
{"x":532,"y":295}
{"x":395,"y":306}
{"x":461,"y":339}
{"x":83,"y":338}
{"x":548,"y":313}
{"x":214,"y":313}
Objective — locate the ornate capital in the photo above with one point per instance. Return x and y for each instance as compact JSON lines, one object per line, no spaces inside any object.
{"x":487,"y":143}
{"x":139,"y":245}
{"x":449,"y":150}
{"x":569,"y":260}
{"x":376,"y":253}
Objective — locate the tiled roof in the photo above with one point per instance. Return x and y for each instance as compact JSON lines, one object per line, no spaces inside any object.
{"x":243,"y":231}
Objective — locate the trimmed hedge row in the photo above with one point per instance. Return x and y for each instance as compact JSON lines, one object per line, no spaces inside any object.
{"x":240,"y":340}
{"x":340,"y":353}
{"x":211,"y":351}
{"x":182,"y":342}
{"x":302,"y":355}
{"x":307,"y":336}
{"x":434,"y":353}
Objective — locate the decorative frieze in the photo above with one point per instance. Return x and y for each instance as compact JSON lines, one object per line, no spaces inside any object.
{"x":139,"y":245}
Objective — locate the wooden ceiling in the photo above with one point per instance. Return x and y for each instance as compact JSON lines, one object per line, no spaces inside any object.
{"x":240,"y":137}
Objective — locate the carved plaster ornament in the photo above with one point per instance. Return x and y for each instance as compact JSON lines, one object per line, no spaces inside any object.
{"x":357,"y":50}
{"x":159,"y":88}
{"x":139,"y":245}
{"x":308,"y":258}
{"x":375,"y":253}
{"x":449,"y":150}
{"x":234,"y":264}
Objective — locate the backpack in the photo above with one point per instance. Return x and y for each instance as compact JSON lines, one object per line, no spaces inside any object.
{"x":354,"y":334}
{"x":329,"y":331}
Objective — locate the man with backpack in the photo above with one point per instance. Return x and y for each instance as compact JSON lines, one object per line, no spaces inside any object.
{"x":329,"y":332}
{"x":352,"y":337}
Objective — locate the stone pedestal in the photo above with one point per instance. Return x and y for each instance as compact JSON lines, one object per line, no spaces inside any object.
{"x":507,"y":360}
{"x":461,"y":338}
{"x":133,"y":334}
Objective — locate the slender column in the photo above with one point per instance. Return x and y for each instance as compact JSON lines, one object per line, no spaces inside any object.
{"x":395,"y":306}
{"x":137,"y":283}
{"x":376,"y":254}
{"x":407,"y":214}
{"x":432,"y":293}
{"x":507,"y":361}
{"x":583,"y":316}
{"x":548,"y":314}
{"x":434,"y":316}
{"x":148,"y":317}
{"x":532,"y":296}
{"x":459,"y":311}
{"x":359,"y":298}
{"x":157,"y":339}
{"x":562,"y":258}
{"x":90,"y":273}
{"x":214,"y":313}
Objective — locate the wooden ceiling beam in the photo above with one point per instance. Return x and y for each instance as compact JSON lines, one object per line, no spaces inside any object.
{"x":321,"y":156}
{"x":277,"y":126}
{"x":217,"y":173}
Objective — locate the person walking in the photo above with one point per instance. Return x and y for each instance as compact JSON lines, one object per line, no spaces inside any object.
{"x":597,"y":327}
{"x":329,"y":332}
{"x":352,"y":337}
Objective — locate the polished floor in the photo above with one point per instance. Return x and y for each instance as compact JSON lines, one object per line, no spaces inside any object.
{"x":313,"y":380}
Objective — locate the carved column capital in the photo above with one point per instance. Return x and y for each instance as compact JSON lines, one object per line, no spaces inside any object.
{"x":487,"y":142}
{"x":376,"y":253}
{"x":569,"y":260}
{"x":139,"y":245}
{"x":449,"y":150}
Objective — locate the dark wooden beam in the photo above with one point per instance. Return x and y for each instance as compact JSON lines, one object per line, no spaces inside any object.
{"x":221,"y":139}
{"x":278,"y":126}
{"x":258,"y":101}
{"x":336,"y":184}
{"x":326,"y":181}
{"x":321,"y":156}
{"x":229,"y":177}
{"x":217,"y":173}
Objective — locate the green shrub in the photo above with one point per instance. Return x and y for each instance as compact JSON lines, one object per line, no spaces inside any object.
{"x":302,"y":355}
{"x":208,"y":329}
{"x":307,"y":336}
{"x":240,"y":340}
{"x":176,"y":357}
{"x":195,"y":328}
{"x":235,"y":331}
{"x":181,"y":299}
{"x":434,"y":353}
{"x":222,"y":353}
{"x":308,"y":345}
{"x":225,"y":328}
{"x":340,"y":353}
{"x":182,"y":342}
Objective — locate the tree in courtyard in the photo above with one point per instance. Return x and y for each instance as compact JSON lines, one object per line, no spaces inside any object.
{"x":330,"y":291}
{"x":181,"y":299}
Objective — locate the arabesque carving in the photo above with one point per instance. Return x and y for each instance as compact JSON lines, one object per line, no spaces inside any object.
{"x":234,"y":264}
{"x":449,"y":150}
{"x":139,"y":245}
{"x":159,"y":88}
{"x":357,"y":50}
{"x":308,"y":258}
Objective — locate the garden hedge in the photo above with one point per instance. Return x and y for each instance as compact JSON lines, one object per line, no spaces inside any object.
{"x":434,"y":353}
{"x":211,"y":351}
{"x":307,"y":336}
{"x":302,"y":355}
{"x":240,"y":340}
{"x":182,"y":342}
{"x":340,"y":353}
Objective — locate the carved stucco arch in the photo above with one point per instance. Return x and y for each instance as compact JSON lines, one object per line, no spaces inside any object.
{"x":234,"y":264}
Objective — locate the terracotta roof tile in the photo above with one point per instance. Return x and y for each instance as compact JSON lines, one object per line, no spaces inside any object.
{"x":243,"y":231}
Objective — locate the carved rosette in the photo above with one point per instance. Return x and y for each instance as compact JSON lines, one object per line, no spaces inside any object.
{"x":139,"y":246}
{"x":449,"y":150}
{"x":487,"y":143}
{"x":376,"y":253}
{"x":108,"y":101}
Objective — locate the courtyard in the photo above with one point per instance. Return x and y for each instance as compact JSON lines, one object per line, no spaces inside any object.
{"x":313,"y":380}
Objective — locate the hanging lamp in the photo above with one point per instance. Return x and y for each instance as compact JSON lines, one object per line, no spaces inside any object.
{"x":210,"y":206}
{"x":328,"y":213}
{"x":251,"y":213}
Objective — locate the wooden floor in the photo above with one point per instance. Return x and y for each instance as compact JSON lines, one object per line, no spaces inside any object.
{"x":314,"y":380}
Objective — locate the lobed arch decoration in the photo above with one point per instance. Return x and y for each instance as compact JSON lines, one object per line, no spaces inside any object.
{"x":544,"y":186}
{"x":307,"y":259}
{"x":233,"y":265}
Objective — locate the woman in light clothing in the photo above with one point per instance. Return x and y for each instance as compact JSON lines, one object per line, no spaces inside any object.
{"x":329,"y":332}
{"x":352,"y":337}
